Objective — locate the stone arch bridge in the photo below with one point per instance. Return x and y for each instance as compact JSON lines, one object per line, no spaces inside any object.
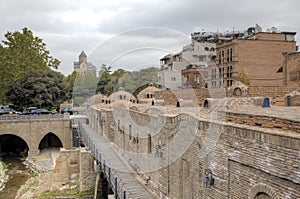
{"x":32,"y":129}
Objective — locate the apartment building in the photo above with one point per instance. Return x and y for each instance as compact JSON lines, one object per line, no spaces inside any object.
{"x":258,"y":56}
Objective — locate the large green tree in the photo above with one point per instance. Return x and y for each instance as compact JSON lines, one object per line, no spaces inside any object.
{"x":45,"y":88}
{"x":20,"y":52}
{"x":130,"y":81}
{"x":70,"y":80}
{"x":84,"y":87}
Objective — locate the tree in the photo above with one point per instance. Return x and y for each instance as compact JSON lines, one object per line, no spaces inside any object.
{"x":130,"y":81}
{"x":243,"y":77}
{"x":84,"y":87}
{"x":20,"y":52}
{"x":70,"y":80}
{"x":38,"y":88}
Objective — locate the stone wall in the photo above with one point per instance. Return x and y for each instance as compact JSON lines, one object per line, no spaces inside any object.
{"x":244,"y":160}
{"x":171,"y":97}
{"x":276,"y":94}
{"x":74,"y":166}
{"x":33,"y":130}
{"x":291,"y":69}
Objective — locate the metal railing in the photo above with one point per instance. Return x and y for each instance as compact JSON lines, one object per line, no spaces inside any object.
{"x":115,"y":182}
{"x":32,"y":117}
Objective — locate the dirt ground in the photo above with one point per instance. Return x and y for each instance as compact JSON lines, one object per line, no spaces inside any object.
{"x":42,"y":166}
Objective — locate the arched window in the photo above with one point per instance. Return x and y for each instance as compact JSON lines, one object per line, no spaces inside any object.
{"x":206,"y":49}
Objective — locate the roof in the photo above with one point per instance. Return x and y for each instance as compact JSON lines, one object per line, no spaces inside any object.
{"x":77,"y":64}
{"x":82,"y":54}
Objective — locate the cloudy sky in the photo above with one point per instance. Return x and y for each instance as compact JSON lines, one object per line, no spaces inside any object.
{"x":136,"y":33}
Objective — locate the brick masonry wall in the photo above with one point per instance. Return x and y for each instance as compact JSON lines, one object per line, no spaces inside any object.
{"x":259,"y":59}
{"x":74,"y":166}
{"x":32,"y":132}
{"x":291,"y":69}
{"x":171,"y":97}
{"x":243,"y":160}
{"x":276,"y":93}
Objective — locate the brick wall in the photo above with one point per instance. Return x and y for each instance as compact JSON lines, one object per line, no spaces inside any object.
{"x":260,"y":59}
{"x":291,"y":69}
{"x":74,"y":166}
{"x":171,"y":97}
{"x":243,"y":159}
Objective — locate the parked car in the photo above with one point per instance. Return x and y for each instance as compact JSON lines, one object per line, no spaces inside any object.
{"x":68,"y":110}
{"x":6,"y":110}
{"x":30,"y":110}
{"x":35,"y":111}
{"x":43,"y":111}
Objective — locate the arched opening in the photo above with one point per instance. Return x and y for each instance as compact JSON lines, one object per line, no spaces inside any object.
{"x":262,"y":195}
{"x":266,"y":102}
{"x":288,"y":100}
{"x":237,"y":92}
{"x":50,"y":141}
{"x":13,"y":145}
{"x":205,"y":104}
{"x":149,"y":144}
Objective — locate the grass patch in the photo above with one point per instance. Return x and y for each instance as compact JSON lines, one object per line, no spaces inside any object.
{"x":4,"y":165}
{"x":66,"y":192}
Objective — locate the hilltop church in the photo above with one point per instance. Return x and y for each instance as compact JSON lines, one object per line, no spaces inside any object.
{"x":83,"y":66}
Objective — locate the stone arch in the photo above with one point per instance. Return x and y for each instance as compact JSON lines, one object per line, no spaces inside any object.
{"x":50,"y":140}
{"x":262,"y":191}
{"x":237,"y":91}
{"x":14,"y":144}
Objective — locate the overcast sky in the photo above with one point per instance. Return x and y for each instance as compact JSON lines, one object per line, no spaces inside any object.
{"x":136,"y":33}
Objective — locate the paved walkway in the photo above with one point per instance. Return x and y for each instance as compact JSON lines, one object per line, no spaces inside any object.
{"x":118,"y":168}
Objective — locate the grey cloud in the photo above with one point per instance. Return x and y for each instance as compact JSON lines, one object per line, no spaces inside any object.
{"x":66,"y":38}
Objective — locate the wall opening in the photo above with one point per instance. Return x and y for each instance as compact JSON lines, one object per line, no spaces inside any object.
{"x":13,"y":145}
{"x":205,"y":104}
{"x":262,"y":195}
{"x":149,"y":144}
{"x":50,"y":141}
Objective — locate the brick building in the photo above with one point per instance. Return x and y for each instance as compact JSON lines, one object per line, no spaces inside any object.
{"x":241,"y":153}
{"x":259,"y":56}
{"x":291,"y":69}
{"x":193,"y":77}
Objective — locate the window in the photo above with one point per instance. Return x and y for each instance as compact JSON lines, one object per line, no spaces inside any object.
{"x":129,"y":132}
{"x":214,"y":73}
{"x":197,"y":79}
{"x":206,"y":49}
{"x":222,"y":56}
{"x":173,"y":79}
{"x":149,"y":144}
{"x":202,"y":58}
{"x":230,"y":55}
{"x":220,"y":73}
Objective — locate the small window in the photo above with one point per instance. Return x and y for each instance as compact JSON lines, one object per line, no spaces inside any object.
{"x":173,"y":79}
{"x":129,"y":131}
{"x":197,"y":79}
